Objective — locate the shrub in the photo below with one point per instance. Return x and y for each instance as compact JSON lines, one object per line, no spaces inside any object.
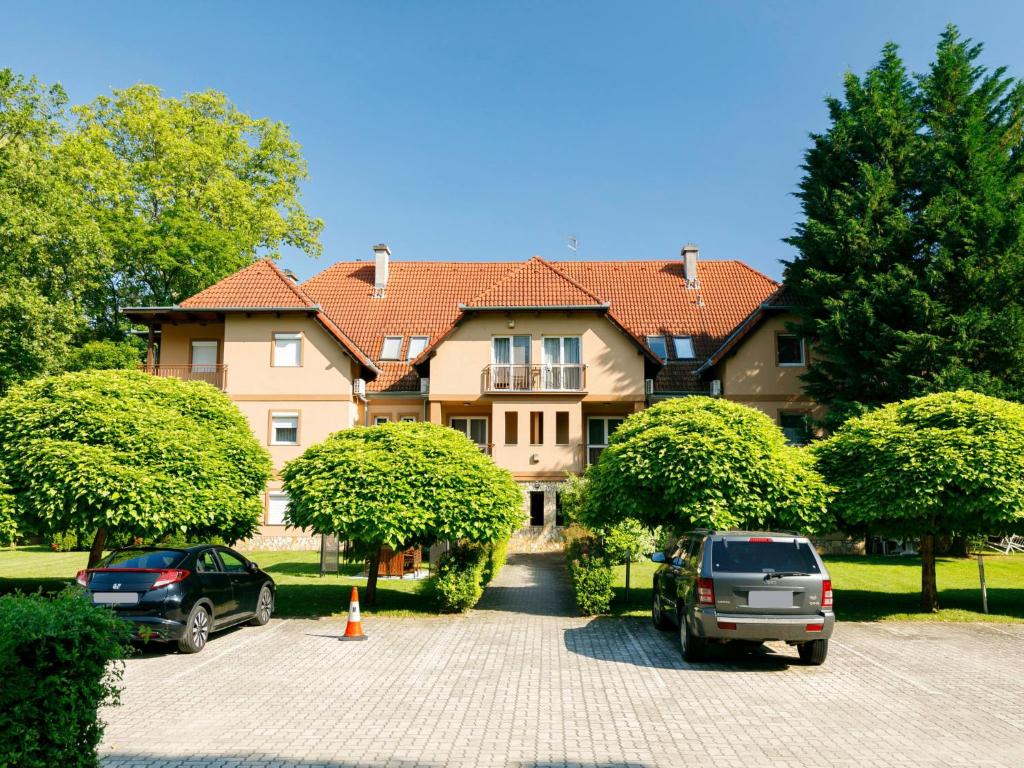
{"x":8,"y":524}
{"x":464,"y":571}
{"x":54,"y":654}
{"x":63,"y":542}
{"x":589,"y":571}
{"x":105,"y":355}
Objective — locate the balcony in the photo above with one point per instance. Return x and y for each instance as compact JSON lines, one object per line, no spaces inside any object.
{"x":568,"y":377}
{"x":215,"y":375}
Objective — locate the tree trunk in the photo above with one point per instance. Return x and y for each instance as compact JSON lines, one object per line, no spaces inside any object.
{"x":958,"y":547}
{"x":929,"y":590}
{"x":96,"y":551}
{"x":370,"y":598}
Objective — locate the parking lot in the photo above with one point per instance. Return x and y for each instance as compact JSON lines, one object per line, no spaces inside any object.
{"x":522,"y":680}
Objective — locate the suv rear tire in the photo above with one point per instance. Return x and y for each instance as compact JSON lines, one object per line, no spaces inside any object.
{"x":692,"y":647}
{"x":813,"y":652}
{"x":658,"y":616}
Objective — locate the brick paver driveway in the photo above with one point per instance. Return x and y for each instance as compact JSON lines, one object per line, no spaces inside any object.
{"x":523,"y":681}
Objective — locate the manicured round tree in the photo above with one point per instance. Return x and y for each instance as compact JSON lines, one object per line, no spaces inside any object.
{"x":949,"y":463}
{"x":704,"y":462}
{"x":397,"y":485}
{"x":126,"y":452}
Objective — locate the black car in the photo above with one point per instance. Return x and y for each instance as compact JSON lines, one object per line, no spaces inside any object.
{"x":181,"y":594}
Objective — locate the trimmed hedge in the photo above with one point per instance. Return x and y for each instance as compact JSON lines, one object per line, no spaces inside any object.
{"x":464,"y":571}
{"x":589,"y":571}
{"x":54,"y":656}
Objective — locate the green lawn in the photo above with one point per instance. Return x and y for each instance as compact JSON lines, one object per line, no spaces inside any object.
{"x":887,"y":589}
{"x":301,"y":592}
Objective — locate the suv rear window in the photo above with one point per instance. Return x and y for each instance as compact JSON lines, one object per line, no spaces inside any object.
{"x":143,"y":558}
{"x":741,"y":556}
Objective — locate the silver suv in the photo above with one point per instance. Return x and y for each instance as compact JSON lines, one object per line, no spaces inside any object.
{"x":747,"y":587}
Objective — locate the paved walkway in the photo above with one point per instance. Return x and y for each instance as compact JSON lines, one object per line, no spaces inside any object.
{"x":523,"y":681}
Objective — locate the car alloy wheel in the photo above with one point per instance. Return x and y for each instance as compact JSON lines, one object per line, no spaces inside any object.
{"x":200,"y":629}
{"x":263,"y":610}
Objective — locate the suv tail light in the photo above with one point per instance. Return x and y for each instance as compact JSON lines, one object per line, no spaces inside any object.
{"x":826,"y":593}
{"x":169,"y":577}
{"x":82,"y":577}
{"x":706,"y":591}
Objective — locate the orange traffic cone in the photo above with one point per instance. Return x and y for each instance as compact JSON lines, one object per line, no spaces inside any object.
{"x":354,"y":629}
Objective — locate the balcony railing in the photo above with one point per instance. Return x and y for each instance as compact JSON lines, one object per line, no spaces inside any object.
{"x":568,"y":377}
{"x":217,"y":375}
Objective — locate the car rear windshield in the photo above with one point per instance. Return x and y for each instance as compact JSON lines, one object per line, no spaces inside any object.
{"x":741,"y":556}
{"x":143,"y":558}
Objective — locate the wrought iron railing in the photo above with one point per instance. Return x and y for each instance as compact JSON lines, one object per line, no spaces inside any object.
{"x":217,"y":375}
{"x":567,"y":377}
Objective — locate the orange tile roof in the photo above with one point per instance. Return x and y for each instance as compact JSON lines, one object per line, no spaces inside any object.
{"x":260,"y":285}
{"x":646,"y":298}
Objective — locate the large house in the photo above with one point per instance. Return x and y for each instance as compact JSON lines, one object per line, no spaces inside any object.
{"x":537,"y":362}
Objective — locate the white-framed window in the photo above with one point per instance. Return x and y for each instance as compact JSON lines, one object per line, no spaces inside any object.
{"x":473,"y":427}
{"x":789,"y":350}
{"x":562,"y":362}
{"x":378,"y":420}
{"x":416,"y":346}
{"x":204,"y":356}
{"x":658,"y":346}
{"x":599,"y":429}
{"x":284,"y":428}
{"x":287,"y":350}
{"x":391,"y":349}
{"x":684,"y":347}
{"x":510,"y":363}
{"x":408,"y":419}
{"x":795,"y":427}
{"x":277,"y":506}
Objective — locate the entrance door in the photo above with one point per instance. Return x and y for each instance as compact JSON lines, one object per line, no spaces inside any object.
{"x":537,"y":508}
{"x":510,"y":362}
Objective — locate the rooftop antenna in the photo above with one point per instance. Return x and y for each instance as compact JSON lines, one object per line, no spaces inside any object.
{"x":573,"y":243}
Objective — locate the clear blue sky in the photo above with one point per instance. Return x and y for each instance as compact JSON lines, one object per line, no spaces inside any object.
{"x":487,"y":131}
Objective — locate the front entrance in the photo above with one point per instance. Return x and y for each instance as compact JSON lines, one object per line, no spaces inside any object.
{"x":537,"y":508}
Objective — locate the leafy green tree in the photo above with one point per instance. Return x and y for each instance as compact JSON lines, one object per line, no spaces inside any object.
{"x":399,"y":485}
{"x":185,"y":191}
{"x":704,"y":462}
{"x":35,"y":332}
{"x":948,"y":463}
{"x":8,"y":520}
{"x":132,"y":454}
{"x":909,"y":265}
{"x":105,"y":355}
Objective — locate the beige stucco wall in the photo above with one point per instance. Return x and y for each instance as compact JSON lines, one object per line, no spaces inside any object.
{"x":546,"y":459}
{"x":615,"y":370}
{"x":751,"y":375}
{"x":176,"y":341}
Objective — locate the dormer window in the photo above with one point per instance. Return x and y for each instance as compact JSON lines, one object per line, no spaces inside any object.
{"x":392,"y":348}
{"x":658,"y":346}
{"x":684,"y":347}
{"x":416,"y":346}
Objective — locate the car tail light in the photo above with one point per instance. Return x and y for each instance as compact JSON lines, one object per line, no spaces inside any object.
{"x":82,"y":577}
{"x":727,"y":625}
{"x":826,"y":593}
{"x":706,"y":591}
{"x":812,"y":627}
{"x":169,"y":577}
{"x":761,"y":540}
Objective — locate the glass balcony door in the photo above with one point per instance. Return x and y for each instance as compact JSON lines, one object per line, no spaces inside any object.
{"x":562,"y":369}
{"x":510,"y":359}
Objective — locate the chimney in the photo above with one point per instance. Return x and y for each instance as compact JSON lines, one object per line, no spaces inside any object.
{"x":381,"y":258}
{"x":689,"y":254}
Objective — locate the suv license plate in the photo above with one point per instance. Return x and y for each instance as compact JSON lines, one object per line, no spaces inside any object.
{"x":769,"y":599}
{"x":115,"y":598}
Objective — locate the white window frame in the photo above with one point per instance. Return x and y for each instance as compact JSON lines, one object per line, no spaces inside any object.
{"x":421,"y":341}
{"x":378,"y":420}
{"x":605,"y":420}
{"x":555,"y":376}
{"x":286,"y":336}
{"x":384,"y":347}
{"x":273,"y":496}
{"x":469,"y":430}
{"x":408,"y":419}
{"x":195,"y":367}
{"x":274,"y":415}
{"x":687,"y":340}
{"x":664,"y":344}
{"x":512,"y":376}
{"x":803,"y":352}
